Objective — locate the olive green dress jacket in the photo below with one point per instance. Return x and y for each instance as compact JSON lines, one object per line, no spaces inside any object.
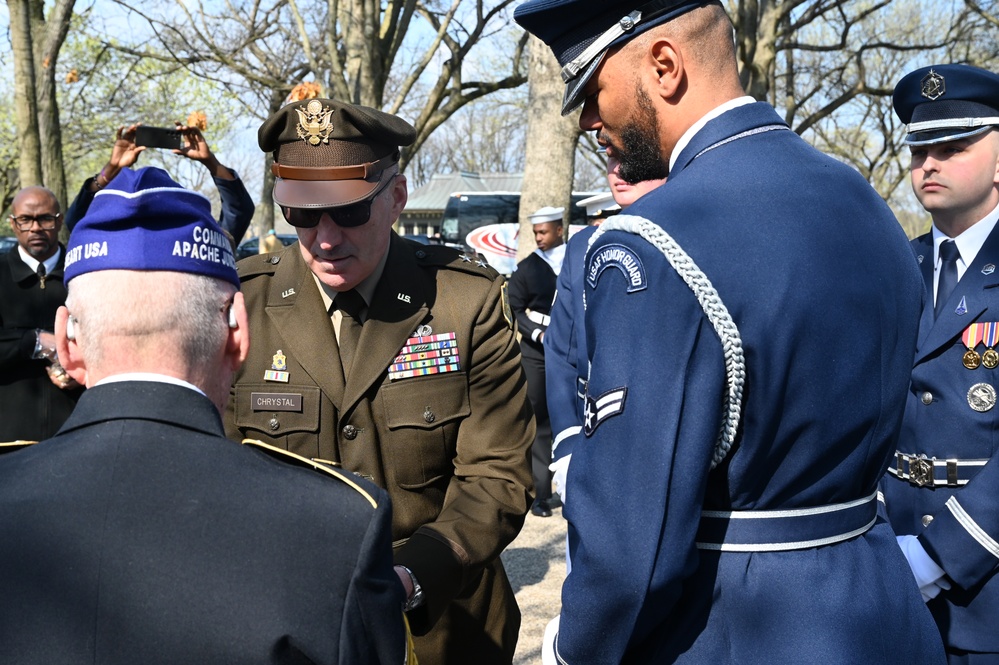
{"x":451,"y":449}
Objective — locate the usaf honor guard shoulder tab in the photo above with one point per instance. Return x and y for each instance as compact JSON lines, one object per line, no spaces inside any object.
{"x":297,"y":460}
{"x":13,"y":446}
{"x":620,"y":257}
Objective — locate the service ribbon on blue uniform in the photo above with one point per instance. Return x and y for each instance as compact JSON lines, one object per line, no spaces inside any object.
{"x":428,"y":354}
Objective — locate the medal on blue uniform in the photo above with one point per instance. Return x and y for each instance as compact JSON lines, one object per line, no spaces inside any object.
{"x":971,"y":337}
{"x":991,"y":335}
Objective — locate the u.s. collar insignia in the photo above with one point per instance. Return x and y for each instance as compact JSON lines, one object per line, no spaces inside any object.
{"x":315,"y":122}
{"x":919,"y":259}
{"x":962,"y":307}
{"x":988,"y":269}
{"x":279,"y":361}
{"x":932,"y":86}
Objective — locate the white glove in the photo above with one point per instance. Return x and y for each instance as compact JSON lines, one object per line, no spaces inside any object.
{"x":560,"y":467}
{"x":548,"y":643}
{"x":930,"y":577}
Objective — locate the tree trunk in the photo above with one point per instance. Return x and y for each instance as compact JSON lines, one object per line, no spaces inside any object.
{"x":49,"y":36}
{"x":549,"y":158}
{"x":36,"y":43}
{"x":25,"y":99}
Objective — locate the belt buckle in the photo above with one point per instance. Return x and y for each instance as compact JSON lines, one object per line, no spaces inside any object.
{"x":921,"y":471}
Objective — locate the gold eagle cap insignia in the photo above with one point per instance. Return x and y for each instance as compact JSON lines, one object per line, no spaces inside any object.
{"x":315,"y":122}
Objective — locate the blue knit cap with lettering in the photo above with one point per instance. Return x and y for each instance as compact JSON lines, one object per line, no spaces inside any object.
{"x":143,"y":220}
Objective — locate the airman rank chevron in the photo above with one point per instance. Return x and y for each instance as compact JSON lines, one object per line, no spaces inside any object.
{"x":620,"y":257}
{"x":423,"y":355}
{"x":602,"y":407}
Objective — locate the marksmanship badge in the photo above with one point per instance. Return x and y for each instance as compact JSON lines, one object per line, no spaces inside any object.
{"x":932,"y":86}
{"x":315,"y":123}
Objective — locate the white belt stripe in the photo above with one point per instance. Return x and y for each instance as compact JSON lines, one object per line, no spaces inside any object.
{"x":781,"y":547}
{"x":971,"y":526}
{"x":793,"y":512}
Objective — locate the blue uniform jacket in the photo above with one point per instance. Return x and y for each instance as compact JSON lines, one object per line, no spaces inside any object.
{"x":963,"y":536}
{"x":140,"y":534}
{"x":565,"y":345}
{"x":817,"y":275}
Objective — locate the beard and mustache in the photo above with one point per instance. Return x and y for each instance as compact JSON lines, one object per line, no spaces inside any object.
{"x":640,"y":152}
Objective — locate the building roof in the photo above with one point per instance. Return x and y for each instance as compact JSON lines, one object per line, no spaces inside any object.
{"x":433,"y":195}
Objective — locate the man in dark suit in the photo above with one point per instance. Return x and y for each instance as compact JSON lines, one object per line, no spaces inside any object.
{"x":747,"y":371}
{"x":36,"y":395}
{"x":532,"y":290}
{"x":402,"y":364}
{"x":139,"y":533}
{"x":940,"y":493}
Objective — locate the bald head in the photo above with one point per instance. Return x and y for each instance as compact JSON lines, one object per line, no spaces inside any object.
{"x":36,"y":221}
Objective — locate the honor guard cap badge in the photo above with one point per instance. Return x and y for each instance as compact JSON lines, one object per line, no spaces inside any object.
{"x":933,"y":86}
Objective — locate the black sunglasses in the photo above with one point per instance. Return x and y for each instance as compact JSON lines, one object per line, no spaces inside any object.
{"x":348,"y":217}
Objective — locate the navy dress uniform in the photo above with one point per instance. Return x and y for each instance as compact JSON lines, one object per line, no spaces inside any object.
{"x":434,"y":407}
{"x":718,"y":312}
{"x":942,"y":480}
{"x":140,"y":533}
{"x":532,"y":291}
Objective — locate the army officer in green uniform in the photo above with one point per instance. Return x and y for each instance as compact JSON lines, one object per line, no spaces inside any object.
{"x":394,"y":360}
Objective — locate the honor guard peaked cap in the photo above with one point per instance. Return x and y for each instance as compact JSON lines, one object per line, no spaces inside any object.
{"x":143,"y":220}
{"x":600,"y":205}
{"x":947,"y":102}
{"x":580,"y":32}
{"x":328,"y":153}
{"x":546,"y":214}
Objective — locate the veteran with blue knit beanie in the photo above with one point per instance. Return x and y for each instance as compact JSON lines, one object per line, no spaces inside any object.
{"x":140,"y":533}
{"x":747,"y":330}
{"x":940,"y":493}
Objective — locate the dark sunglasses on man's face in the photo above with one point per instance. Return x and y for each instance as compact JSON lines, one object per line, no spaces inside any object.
{"x":348,"y":217}
{"x":356,"y":214}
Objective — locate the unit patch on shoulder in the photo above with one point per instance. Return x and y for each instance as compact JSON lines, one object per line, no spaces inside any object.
{"x":602,"y":407}
{"x":620,"y":257}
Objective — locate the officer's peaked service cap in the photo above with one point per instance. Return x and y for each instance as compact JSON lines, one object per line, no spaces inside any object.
{"x":143,"y":220}
{"x":946,"y":102}
{"x":580,"y":32}
{"x":328,"y":153}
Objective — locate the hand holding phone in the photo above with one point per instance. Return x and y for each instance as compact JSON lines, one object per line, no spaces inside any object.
{"x":158,"y":137}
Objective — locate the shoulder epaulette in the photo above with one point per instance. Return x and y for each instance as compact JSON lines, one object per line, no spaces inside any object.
{"x":297,"y":460}
{"x":260,"y":264}
{"x":454,"y":259}
{"x":11,"y":446}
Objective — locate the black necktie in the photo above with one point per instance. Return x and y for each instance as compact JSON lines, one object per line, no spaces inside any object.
{"x":350,"y":304}
{"x":41,"y":275}
{"x":948,"y":274}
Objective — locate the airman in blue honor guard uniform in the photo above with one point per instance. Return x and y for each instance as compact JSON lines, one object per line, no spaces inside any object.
{"x":940,"y":493}
{"x":747,"y":329}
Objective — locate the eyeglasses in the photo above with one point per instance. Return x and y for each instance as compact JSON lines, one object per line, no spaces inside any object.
{"x":24,"y":222}
{"x":348,"y":217}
